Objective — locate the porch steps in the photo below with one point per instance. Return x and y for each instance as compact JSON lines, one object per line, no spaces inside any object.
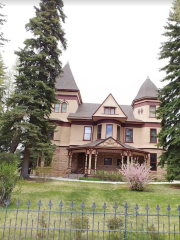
{"x":73,"y":176}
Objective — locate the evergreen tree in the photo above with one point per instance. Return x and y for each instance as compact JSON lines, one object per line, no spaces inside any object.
{"x":27,"y":123}
{"x":2,"y":87}
{"x":169,"y":95}
{"x":2,"y":21}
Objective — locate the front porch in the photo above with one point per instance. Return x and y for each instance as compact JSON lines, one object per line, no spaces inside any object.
{"x":108,"y":155}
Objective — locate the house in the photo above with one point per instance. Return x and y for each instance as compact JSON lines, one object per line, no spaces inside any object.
{"x":91,"y":137}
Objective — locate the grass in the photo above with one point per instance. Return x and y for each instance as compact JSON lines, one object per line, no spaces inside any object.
{"x":96,"y":192}
{"x":100,"y":193}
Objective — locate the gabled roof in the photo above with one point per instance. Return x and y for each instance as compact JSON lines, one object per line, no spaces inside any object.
{"x":108,"y":143}
{"x":147,"y":90}
{"x":66,"y":81}
{"x":110,"y":101}
{"x":86,"y":111}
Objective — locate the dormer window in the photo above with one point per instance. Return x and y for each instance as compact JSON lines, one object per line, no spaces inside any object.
{"x":109,"y":110}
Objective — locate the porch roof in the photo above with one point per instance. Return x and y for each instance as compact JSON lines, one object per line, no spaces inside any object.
{"x":108,"y":143}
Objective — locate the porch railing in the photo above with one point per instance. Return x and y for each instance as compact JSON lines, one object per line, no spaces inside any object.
{"x":93,"y":222}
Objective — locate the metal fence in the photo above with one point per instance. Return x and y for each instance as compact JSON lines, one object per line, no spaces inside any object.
{"x":94,"y":222}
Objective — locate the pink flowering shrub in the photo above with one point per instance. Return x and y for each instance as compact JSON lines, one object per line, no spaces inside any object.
{"x":137,"y":176}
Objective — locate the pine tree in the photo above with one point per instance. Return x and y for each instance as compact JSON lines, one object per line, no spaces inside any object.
{"x":169,"y":95}
{"x":28,"y":121}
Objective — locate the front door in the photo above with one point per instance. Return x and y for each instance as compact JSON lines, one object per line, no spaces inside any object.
{"x":81,"y":162}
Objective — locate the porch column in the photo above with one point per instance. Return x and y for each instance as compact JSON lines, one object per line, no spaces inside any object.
{"x":85,"y":170}
{"x":95,"y":161}
{"x":122,"y":162}
{"x":70,"y":161}
{"x":127,"y":160}
{"x":90,"y":157}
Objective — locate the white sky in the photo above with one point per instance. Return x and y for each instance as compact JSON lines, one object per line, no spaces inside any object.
{"x":112,"y":45}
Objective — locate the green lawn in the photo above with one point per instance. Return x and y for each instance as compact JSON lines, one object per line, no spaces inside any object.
{"x":96,"y":192}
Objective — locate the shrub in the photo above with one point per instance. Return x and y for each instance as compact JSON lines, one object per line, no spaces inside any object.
{"x":81,"y":223}
{"x":114,"y":223}
{"x":109,"y":175}
{"x":137,"y":176}
{"x":8,"y":179}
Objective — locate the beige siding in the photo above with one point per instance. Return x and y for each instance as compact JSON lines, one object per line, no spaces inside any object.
{"x":72,"y":107}
{"x":110,"y":102}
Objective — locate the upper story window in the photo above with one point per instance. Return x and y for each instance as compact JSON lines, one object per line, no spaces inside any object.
{"x":87,"y":133}
{"x":109,"y":130}
{"x":109,"y":110}
{"x":129,"y":135}
{"x":63,"y":107}
{"x":118,"y":133}
{"x":152,"y":111}
{"x":99,"y":127}
{"x":153,"y":138}
{"x":51,"y":134}
{"x":56,"y":107}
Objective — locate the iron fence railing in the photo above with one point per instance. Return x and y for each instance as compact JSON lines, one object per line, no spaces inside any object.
{"x":93,"y":223}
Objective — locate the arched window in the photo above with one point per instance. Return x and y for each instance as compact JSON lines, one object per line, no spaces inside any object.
{"x":63,"y":107}
{"x":56,"y":107}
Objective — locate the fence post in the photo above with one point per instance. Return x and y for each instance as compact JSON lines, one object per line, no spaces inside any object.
{"x":125,"y":223}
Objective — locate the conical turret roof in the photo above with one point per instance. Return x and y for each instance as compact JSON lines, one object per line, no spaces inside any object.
{"x":66,"y":81}
{"x":147,"y":90}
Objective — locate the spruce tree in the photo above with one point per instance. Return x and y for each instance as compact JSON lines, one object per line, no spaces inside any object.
{"x":169,"y":95}
{"x":2,"y":21}
{"x":27,"y":123}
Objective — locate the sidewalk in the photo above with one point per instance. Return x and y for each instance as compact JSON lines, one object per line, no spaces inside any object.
{"x":76,"y":180}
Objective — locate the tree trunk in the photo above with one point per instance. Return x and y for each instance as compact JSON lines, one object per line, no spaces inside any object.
{"x":25,"y":164}
{"x":14,"y":144}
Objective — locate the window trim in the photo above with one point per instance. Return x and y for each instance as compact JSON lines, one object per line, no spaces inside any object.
{"x":151,"y":135}
{"x":110,"y":162}
{"x":106,"y":130}
{"x":52,"y":135}
{"x":109,"y":110}
{"x":62,"y":106}
{"x":155,"y":162}
{"x":98,"y":132}
{"x":90,"y":133}
{"x":151,"y":111}
{"x":55,"y":107}
{"x":132,"y":135}
{"x":119,"y":133}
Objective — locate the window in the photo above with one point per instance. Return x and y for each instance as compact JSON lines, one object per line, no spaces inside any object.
{"x":87,"y":133}
{"x":51,"y":134}
{"x":56,"y":107}
{"x":118,"y":133}
{"x":152,"y":111}
{"x":63,"y":107}
{"x":109,"y":110}
{"x":107,"y":161}
{"x":153,"y":133}
{"x":99,"y":131}
{"x":153,"y":161}
{"x":109,"y":129}
{"x":129,"y":135}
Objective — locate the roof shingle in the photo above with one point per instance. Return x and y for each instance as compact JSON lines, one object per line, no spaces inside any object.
{"x":66,"y":81}
{"x":147,"y":90}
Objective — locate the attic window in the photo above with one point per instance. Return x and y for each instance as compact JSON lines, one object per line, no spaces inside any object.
{"x":109,"y":110}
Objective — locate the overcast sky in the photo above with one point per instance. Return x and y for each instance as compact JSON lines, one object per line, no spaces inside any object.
{"x":112,"y":45}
